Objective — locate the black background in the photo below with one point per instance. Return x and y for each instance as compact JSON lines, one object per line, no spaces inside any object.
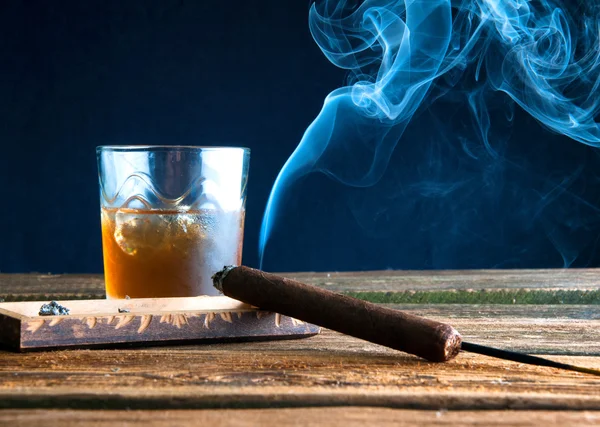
{"x":75,"y":75}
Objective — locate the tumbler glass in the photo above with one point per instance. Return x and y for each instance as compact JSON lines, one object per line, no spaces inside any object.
{"x":172,"y":216}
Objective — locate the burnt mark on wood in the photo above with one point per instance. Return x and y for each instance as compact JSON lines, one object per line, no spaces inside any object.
{"x":90,"y":330}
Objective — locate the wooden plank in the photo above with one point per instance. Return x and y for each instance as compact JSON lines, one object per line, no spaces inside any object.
{"x":147,"y":320}
{"x":551,"y":286}
{"x":547,"y":329}
{"x":335,"y":416}
{"x":551,"y":329}
{"x":574,"y":286}
{"x":326,"y":370}
{"x":386,"y":280}
{"x":332,"y":369}
{"x":41,"y":287}
{"x":397,"y":280}
{"x":560,"y":329}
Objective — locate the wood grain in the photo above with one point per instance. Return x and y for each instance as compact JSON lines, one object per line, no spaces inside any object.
{"x":330,"y":369}
{"x":396,"y":280}
{"x":326,"y":370}
{"x":579,"y":282}
{"x":41,"y":287}
{"x":335,"y":416}
{"x":535,"y":329}
{"x":146,"y":320}
{"x":558,"y":329}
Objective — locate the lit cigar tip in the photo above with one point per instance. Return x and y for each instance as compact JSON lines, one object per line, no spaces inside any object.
{"x":220,"y":275}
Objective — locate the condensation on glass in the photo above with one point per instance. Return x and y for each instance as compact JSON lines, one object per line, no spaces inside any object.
{"x":171,"y":217}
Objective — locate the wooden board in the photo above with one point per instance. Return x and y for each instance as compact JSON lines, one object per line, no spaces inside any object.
{"x":42,"y":287}
{"x":534,"y":329}
{"x":109,"y":322}
{"x":336,"y":416}
{"x":552,"y":286}
{"x":329,"y":369}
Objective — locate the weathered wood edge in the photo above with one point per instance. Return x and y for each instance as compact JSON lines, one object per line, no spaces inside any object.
{"x":336,"y":416}
{"x":10,"y":330}
{"x":11,"y":314}
{"x":260,"y":399}
{"x":149,"y":322}
{"x":80,"y":331}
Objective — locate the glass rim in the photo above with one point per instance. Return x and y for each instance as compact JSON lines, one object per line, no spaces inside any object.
{"x":149,"y":148}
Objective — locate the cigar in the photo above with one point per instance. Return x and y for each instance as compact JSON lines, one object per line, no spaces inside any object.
{"x":431,"y":340}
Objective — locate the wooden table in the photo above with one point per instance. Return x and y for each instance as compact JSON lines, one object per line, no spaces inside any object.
{"x":331,"y":378}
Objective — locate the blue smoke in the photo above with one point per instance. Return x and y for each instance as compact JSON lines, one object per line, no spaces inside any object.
{"x":403,"y":56}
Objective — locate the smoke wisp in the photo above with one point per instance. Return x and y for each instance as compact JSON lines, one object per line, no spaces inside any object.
{"x":405,"y":58}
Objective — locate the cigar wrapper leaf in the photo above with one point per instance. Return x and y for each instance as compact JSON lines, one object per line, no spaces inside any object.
{"x":431,"y":340}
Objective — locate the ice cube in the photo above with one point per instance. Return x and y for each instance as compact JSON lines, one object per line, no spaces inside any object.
{"x":183,"y":223}
{"x":136,"y":232}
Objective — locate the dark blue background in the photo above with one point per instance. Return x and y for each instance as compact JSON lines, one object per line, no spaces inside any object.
{"x":74,"y":75}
